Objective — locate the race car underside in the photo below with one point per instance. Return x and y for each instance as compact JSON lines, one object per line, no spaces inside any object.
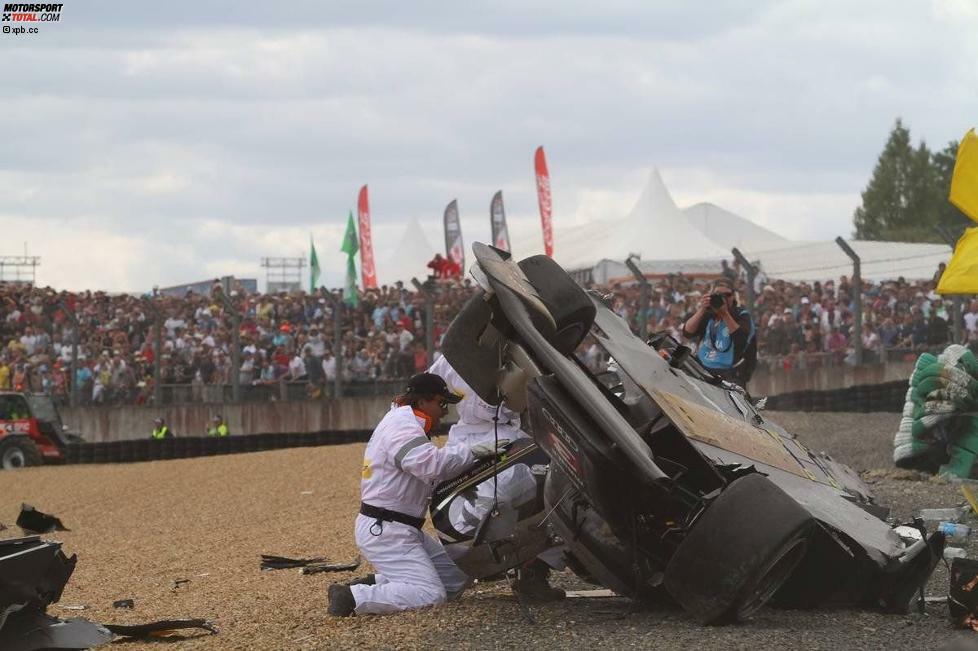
{"x":656,"y":479}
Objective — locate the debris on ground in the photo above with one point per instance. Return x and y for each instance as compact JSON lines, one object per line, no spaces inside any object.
{"x":962,"y":599}
{"x":124,"y":603}
{"x":286,"y":609}
{"x":73,"y":606}
{"x":33,"y":574}
{"x":316,"y":568}
{"x":33,"y":521}
{"x":161,"y":628}
{"x":308,"y":565}
{"x":178,"y":582}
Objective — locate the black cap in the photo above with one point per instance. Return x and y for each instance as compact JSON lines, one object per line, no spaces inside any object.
{"x":429,"y":384}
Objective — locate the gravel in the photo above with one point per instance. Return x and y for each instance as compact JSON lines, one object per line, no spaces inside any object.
{"x":139,"y":527}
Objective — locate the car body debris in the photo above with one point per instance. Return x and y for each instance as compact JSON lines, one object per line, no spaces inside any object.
{"x":33,"y":574}
{"x":161,"y":628}
{"x":33,"y":521}
{"x":307,"y":565}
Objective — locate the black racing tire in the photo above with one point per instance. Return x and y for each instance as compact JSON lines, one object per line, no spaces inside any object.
{"x":567,"y":302}
{"x":739,"y":551}
{"x":19,"y":452}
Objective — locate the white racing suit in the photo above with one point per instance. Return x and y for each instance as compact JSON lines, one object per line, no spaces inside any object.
{"x":515,"y":485}
{"x":400,"y":468}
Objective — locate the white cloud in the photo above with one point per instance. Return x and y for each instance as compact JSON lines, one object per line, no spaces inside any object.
{"x":219,"y":134}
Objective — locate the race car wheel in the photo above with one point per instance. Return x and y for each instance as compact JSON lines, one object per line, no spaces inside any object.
{"x":18,"y":452}
{"x":569,"y":305}
{"x":739,"y":551}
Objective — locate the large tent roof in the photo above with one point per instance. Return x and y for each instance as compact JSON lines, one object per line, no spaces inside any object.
{"x":695,"y":239}
{"x":404,"y":257}
{"x":728,"y":229}
{"x":654,"y":229}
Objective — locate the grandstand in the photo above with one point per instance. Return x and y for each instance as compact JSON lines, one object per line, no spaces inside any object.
{"x":288,"y":344}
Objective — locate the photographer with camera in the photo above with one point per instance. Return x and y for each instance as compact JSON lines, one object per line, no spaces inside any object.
{"x":725,"y":333}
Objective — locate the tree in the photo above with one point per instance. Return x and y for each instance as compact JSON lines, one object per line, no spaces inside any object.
{"x":948,"y":216}
{"x":902,"y":199}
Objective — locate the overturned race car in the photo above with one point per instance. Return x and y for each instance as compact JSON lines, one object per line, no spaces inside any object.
{"x":658,"y":480}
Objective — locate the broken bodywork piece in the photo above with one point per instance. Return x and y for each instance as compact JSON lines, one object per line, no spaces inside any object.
{"x":658,"y":469}
{"x":33,"y":574}
{"x":33,"y":521}
{"x":161,"y":628}
{"x":308,"y":565}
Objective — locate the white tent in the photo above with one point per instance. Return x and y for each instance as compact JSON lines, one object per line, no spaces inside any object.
{"x":655,"y":229}
{"x":694,"y":241}
{"x":404,"y":257}
{"x":727,"y":229}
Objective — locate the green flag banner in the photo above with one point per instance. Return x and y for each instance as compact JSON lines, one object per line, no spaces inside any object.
{"x":314,"y":270}
{"x":350,"y":247}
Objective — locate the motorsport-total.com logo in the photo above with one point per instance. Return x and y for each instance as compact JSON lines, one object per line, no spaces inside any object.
{"x":25,"y":14}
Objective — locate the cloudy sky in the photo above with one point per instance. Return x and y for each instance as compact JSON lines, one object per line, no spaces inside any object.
{"x":159,"y":143}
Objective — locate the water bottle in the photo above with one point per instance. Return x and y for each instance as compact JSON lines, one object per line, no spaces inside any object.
{"x":956,"y":533}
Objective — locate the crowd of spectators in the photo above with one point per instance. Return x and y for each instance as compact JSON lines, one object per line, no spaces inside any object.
{"x":284,"y":338}
{"x":289,"y":338}
{"x":803,"y":325}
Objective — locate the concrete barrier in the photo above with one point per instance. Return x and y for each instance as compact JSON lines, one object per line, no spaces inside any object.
{"x":97,"y":424}
{"x":827,"y":378}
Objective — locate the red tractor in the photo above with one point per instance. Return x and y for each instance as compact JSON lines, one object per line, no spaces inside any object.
{"x":31,"y":431}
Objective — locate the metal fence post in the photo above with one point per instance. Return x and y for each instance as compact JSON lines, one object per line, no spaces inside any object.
{"x":751,"y":275}
{"x":157,"y":351}
{"x":429,"y":320}
{"x":857,"y":284}
{"x":235,"y":346}
{"x":73,"y":397}
{"x":644,"y":297}
{"x":337,"y":305}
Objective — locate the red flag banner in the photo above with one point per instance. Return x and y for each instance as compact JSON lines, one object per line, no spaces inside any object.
{"x":367,"y":270}
{"x":454,"y":248}
{"x":500,"y":234}
{"x":543,"y":195}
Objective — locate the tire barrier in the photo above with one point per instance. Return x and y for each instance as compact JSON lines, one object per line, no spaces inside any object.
{"x":863,"y":398}
{"x":184,"y":447}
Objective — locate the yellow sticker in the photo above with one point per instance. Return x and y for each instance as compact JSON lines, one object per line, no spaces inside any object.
{"x":367,"y":471}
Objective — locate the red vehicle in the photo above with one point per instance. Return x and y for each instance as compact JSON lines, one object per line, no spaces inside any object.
{"x":31,"y":431}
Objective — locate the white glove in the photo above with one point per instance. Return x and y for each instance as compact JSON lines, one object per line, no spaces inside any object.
{"x":486,"y":450}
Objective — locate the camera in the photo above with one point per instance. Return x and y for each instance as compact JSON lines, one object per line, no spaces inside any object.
{"x":716,"y":301}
